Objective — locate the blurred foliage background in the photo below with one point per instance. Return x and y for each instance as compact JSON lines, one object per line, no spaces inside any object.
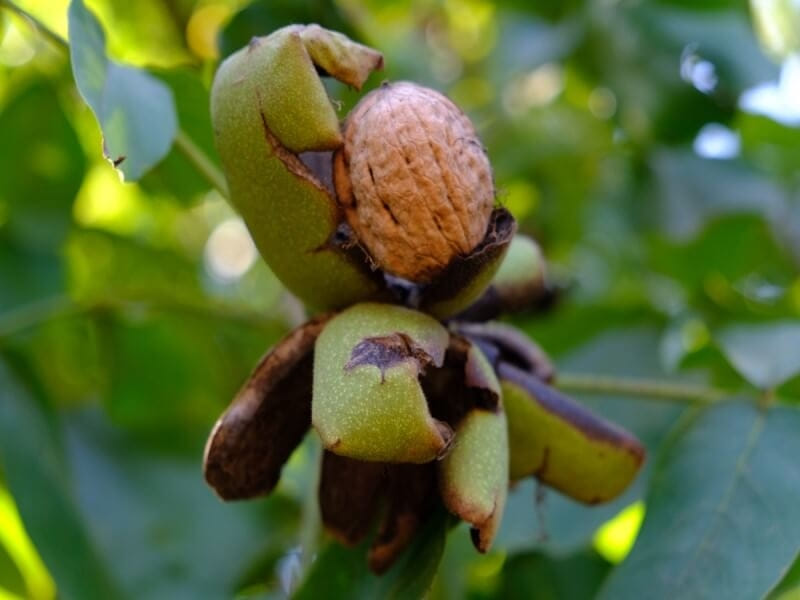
{"x":653,"y":149}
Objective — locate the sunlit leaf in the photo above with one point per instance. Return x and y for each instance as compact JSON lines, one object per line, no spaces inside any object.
{"x":722,"y":515}
{"x":789,"y":587}
{"x":10,"y":577}
{"x":16,"y":546}
{"x":36,"y":473}
{"x":134,"y":109}
{"x":765,"y":354}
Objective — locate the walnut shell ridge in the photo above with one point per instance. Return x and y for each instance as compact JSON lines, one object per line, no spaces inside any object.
{"x":413,"y":180}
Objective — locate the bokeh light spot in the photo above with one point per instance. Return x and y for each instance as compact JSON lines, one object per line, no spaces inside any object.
{"x":105,"y":202}
{"x":202,"y":30}
{"x":717,"y":141}
{"x":602,"y":103}
{"x":20,"y":548}
{"x":534,"y":89}
{"x":520,"y":197}
{"x":15,"y":47}
{"x":230,"y":251}
{"x":615,"y":538}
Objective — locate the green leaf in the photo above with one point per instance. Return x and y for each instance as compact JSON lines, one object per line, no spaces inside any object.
{"x":175,"y":175}
{"x":10,"y":577}
{"x":737,"y":66}
{"x":694,"y":190}
{"x":37,"y":476}
{"x":789,"y":587}
{"x":260,"y":18}
{"x":766,"y":355}
{"x":164,"y":532}
{"x":41,"y":168}
{"x":723,"y":519}
{"x":341,"y":573}
{"x":134,"y":109}
{"x":535,"y":576}
{"x":25,"y":277}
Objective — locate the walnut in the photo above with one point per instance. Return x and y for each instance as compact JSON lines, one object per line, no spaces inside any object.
{"x":414,"y":180}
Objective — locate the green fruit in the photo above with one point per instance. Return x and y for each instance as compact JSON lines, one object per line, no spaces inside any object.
{"x":473,"y":477}
{"x":268,"y":105}
{"x":563,"y":444}
{"x":368,"y":403}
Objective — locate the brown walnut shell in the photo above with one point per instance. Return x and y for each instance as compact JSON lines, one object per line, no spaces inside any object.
{"x":414,"y":180}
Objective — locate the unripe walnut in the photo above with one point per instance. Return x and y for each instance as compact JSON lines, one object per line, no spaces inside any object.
{"x":414,"y":180}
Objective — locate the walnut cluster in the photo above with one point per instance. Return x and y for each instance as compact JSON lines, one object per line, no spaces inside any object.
{"x":414,"y":180}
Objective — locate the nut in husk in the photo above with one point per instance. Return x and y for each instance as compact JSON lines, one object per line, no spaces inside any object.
{"x":414,"y":180}
{"x":414,"y":416}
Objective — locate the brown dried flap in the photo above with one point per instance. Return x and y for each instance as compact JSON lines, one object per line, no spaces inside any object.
{"x":412,"y":495}
{"x":465,"y":381}
{"x":521,"y":284}
{"x":350,"y":493}
{"x":466,"y":278}
{"x":504,"y":342}
{"x":266,"y":420}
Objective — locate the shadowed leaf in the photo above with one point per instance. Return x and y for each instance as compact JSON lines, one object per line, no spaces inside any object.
{"x":36,"y":473}
{"x":722,"y":514}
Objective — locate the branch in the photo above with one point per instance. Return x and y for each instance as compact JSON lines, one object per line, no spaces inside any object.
{"x":201,"y":162}
{"x":651,"y":388}
{"x":61,"y":307}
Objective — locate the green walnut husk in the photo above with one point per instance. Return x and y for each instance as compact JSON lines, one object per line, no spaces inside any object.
{"x":268,"y":105}
{"x":473,"y":476}
{"x":520,"y":282}
{"x":563,"y":444}
{"x":368,"y":403}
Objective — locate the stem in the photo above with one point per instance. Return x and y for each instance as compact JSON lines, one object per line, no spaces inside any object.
{"x":59,"y":307}
{"x":30,"y":315}
{"x":201,"y":162}
{"x":311,"y":523}
{"x":43,"y":29}
{"x":650,"y":388}
{"x":183,"y":142}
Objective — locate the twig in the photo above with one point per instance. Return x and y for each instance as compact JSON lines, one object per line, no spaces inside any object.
{"x":201,"y":162}
{"x":649,"y":388}
{"x":44,"y":311}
